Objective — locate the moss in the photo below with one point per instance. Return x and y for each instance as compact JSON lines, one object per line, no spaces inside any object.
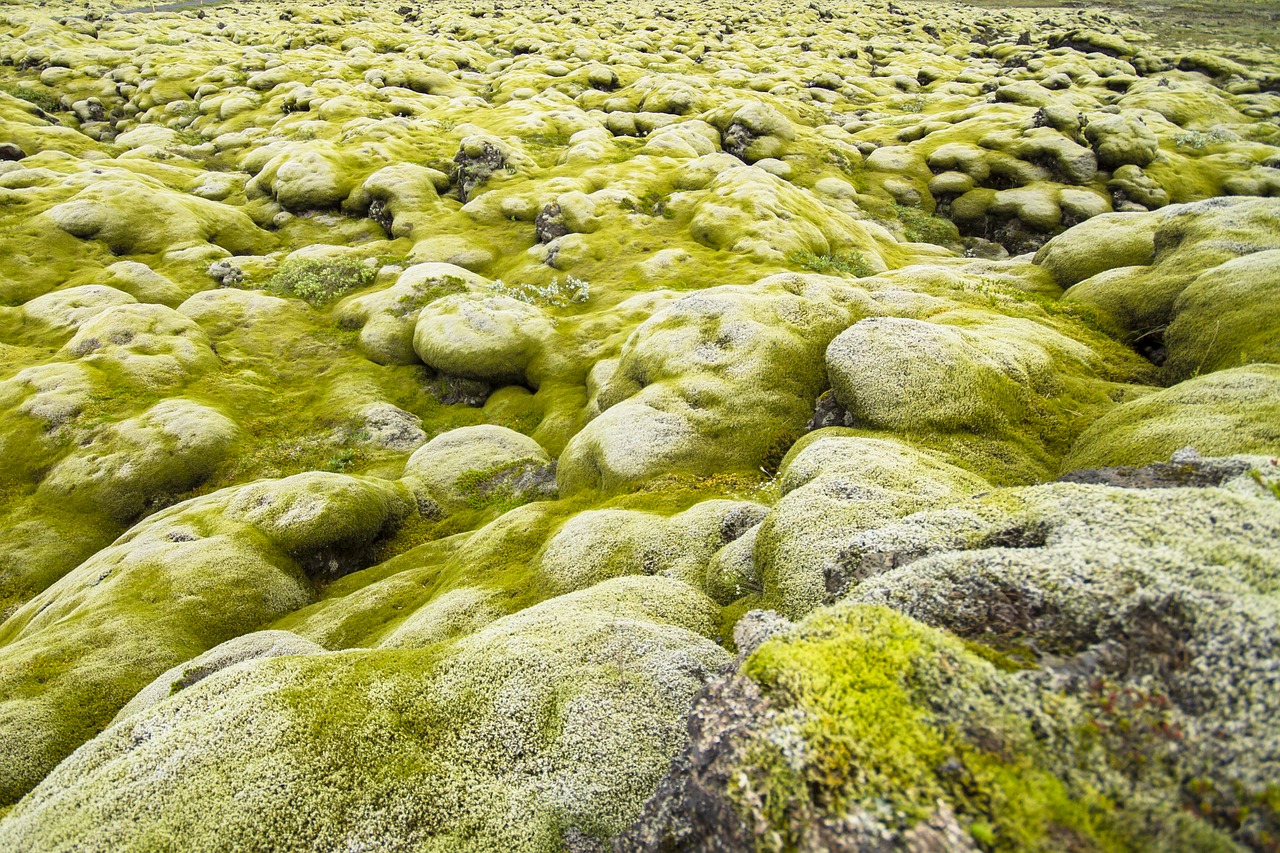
{"x":921,"y":227}
{"x":1231,"y":411}
{"x":321,"y":280}
{"x":880,"y":737}
{"x":45,"y":101}
{"x":736,"y":199}
{"x":570,"y":664}
{"x":853,"y":263}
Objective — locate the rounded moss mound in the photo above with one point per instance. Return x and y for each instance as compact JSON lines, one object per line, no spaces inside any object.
{"x":1189,"y":239}
{"x":387,"y":318}
{"x":545,"y":727}
{"x":1018,"y":386}
{"x":494,"y":339}
{"x":249,"y":647}
{"x":607,"y":543}
{"x":834,"y":487}
{"x":169,"y":449}
{"x":1228,"y":317}
{"x":480,"y":466}
{"x":1228,"y":412}
{"x":698,"y":387}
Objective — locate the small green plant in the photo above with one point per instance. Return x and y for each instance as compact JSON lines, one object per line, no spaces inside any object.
{"x":920,"y":227}
{"x":848,"y":263}
{"x":574,"y":291}
{"x":190,"y":136}
{"x":426,"y":293}
{"x":44,"y":101}
{"x":321,"y":280}
{"x":495,"y":487}
{"x":340,"y":461}
{"x":1273,"y":486}
{"x":652,"y":203}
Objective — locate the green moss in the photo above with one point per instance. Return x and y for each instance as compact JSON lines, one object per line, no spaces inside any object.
{"x":44,"y":100}
{"x":848,"y":263}
{"x":492,"y":487}
{"x":873,"y":692}
{"x":650,"y":203}
{"x":920,"y":227}
{"x":1223,"y":413}
{"x":321,"y":280}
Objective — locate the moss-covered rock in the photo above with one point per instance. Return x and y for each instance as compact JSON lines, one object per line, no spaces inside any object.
{"x":127,"y":466}
{"x":122,"y":214}
{"x":1012,"y":381}
{"x":250,"y":647}
{"x":304,"y":176}
{"x":862,"y":727}
{"x":1189,"y":240}
{"x":834,"y":486}
{"x":1232,"y":411}
{"x":150,"y":347}
{"x":1103,"y":243}
{"x":602,"y":544}
{"x":1226,"y":318}
{"x":545,"y":727}
{"x":480,"y":466}
{"x":695,"y":388}
{"x":239,"y":557}
{"x":1180,"y":582}
{"x":387,"y":318}
{"x":496,"y":339}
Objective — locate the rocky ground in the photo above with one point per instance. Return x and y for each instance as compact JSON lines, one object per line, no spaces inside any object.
{"x":639,"y":426}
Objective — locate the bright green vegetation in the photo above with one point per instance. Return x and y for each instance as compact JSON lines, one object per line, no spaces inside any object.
{"x":401,"y":408}
{"x":876,"y":720}
{"x":852,"y":264}
{"x":320,"y":281}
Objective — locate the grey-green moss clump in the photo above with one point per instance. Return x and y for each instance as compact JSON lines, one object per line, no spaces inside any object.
{"x":877,"y":726}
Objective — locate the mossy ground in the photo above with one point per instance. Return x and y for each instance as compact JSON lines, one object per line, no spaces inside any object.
{"x":254,"y":257}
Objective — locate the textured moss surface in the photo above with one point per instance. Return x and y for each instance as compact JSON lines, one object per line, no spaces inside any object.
{"x":401,"y":406}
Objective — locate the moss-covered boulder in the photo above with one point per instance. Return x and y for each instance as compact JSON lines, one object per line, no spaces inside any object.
{"x":149,"y":347}
{"x":387,"y":318}
{"x":304,"y":176}
{"x":861,"y":728}
{"x":1189,"y":240}
{"x":544,"y":728}
{"x":1012,"y":382}
{"x":241,"y":557}
{"x":1169,"y":636}
{"x":496,"y":339}
{"x":478,"y":467}
{"x":696,"y":388}
{"x":1227,"y":317}
{"x":122,"y":468}
{"x":122,"y":214}
{"x":64,"y":310}
{"x":600,"y":544}
{"x":1231,"y":411}
{"x":249,"y":647}
{"x":833,"y":486}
